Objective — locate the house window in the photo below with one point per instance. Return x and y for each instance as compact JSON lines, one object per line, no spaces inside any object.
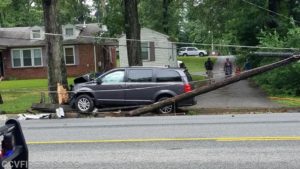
{"x":69,"y":32}
{"x":36,"y":34}
{"x":26,"y":57}
{"x":69,"y":55}
{"x":145,"y":51}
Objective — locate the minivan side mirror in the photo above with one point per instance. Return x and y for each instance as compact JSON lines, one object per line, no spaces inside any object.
{"x":99,"y":81}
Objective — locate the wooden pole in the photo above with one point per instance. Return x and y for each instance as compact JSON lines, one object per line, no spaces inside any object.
{"x":205,"y":89}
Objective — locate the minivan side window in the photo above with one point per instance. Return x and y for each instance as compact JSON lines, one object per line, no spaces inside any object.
{"x":140,"y":75}
{"x":114,"y":77}
{"x":168,"y":76}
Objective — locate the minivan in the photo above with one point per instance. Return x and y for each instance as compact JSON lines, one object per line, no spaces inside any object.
{"x":132,"y":86}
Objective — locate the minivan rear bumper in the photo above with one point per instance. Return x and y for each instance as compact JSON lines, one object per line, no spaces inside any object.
{"x":187,"y":102}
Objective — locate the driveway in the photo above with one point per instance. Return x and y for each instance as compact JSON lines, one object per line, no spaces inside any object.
{"x":237,"y":95}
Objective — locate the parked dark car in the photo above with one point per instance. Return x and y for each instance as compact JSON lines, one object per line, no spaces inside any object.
{"x":133,"y":86}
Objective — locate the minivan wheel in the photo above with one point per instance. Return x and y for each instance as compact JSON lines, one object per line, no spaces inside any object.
{"x":184,"y":54}
{"x":201,"y":54}
{"x":166,"y":109}
{"x":84,"y":104}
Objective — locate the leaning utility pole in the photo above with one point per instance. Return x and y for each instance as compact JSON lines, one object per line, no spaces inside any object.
{"x":56,"y":65}
{"x":205,"y":89}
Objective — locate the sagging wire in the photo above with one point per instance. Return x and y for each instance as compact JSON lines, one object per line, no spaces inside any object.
{"x":157,"y":41}
{"x":268,"y":10}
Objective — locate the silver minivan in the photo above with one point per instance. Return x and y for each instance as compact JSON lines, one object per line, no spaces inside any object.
{"x":133,"y":86}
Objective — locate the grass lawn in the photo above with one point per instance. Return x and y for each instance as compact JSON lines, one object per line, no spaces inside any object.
{"x":195,"y":64}
{"x":18,"y":95}
{"x":287,"y":101}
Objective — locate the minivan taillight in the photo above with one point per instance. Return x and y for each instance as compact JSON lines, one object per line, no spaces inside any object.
{"x":187,"y":88}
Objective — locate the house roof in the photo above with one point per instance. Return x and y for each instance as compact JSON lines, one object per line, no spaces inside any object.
{"x":155,"y":32}
{"x":20,"y":36}
{"x":149,"y":30}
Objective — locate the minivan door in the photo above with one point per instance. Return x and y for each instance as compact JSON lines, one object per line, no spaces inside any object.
{"x":139,"y":87}
{"x":110,"y":90}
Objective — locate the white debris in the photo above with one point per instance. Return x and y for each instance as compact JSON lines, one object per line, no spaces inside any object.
{"x":33,"y":116}
{"x":60,"y":112}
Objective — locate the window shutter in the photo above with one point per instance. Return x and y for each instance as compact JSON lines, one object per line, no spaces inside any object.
{"x":152,"y":51}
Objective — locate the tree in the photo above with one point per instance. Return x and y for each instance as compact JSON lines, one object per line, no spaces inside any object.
{"x":133,"y":32}
{"x":56,"y":65}
{"x":114,"y":18}
{"x":74,"y":12}
{"x":20,"y":13}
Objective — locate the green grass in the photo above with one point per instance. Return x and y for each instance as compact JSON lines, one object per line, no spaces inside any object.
{"x":195,"y":64}
{"x":18,"y":95}
{"x":287,"y":101}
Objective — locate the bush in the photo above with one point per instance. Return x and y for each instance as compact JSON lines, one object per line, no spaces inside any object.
{"x":285,"y":80}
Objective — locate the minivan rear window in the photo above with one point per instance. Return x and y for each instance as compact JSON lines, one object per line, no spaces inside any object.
{"x":168,"y":76}
{"x":140,"y":75}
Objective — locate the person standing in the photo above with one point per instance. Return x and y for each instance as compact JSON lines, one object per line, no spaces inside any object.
{"x":247,"y":65}
{"x":228,"y":68}
{"x":209,"y":65}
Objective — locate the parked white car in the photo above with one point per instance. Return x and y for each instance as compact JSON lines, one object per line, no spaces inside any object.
{"x":191,"y":51}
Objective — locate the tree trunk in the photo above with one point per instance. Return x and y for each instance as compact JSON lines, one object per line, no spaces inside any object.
{"x":133,"y":33}
{"x":205,"y":89}
{"x":273,"y":8}
{"x":166,"y":16}
{"x":56,"y":65}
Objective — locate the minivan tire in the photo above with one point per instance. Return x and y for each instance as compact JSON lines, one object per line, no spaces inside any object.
{"x":84,"y":104}
{"x":184,"y":54}
{"x":166,"y":109}
{"x":201,"y":54}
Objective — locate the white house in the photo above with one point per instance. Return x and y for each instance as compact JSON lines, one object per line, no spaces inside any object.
{"x":157,"y":49}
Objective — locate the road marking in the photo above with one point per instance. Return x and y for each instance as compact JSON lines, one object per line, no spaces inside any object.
{"x":220,"y":139}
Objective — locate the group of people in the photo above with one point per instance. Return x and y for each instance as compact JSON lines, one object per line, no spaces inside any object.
{"x":227,"y":67}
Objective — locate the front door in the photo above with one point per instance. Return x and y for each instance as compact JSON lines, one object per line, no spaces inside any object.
{"x":1,"y":65}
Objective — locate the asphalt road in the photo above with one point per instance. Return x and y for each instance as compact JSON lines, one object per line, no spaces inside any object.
{"x":238,"y":95}
{"x":270,"y":141}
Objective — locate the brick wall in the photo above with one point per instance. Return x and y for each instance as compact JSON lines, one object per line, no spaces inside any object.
{"x":84,"y":64}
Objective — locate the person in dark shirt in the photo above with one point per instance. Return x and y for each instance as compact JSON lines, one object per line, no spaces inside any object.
{"x":209,"y":65}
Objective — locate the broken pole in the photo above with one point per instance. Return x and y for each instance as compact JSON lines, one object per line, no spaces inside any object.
{"x":205,"y":89}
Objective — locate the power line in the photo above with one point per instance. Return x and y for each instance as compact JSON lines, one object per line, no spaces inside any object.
{"x":268,"y":10}
{"x":157,"y":41}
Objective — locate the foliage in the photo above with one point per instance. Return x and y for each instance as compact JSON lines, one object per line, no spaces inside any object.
{"x":20,"y":13}
{"x":74,"y":12}
{"x":114,"y":20}
{"x":286,"y":80}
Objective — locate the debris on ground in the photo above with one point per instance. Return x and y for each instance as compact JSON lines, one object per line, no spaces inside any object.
{"x":33,"y":116}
